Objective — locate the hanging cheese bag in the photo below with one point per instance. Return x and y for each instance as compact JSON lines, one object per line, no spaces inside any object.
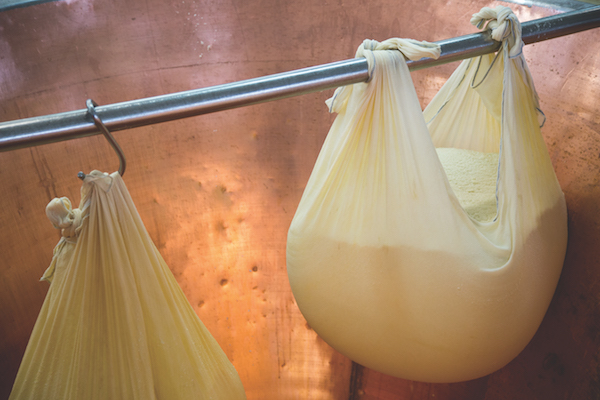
{"x":115,"y":325}
{"x":428,"y":245}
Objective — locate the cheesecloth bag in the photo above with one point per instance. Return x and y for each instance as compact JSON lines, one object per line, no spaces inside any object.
{"x":406,"y":259}
{"x":115,"y":324}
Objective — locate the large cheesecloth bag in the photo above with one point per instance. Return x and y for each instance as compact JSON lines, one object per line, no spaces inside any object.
{"x":430,"y":264}
{"x":115,"y":324}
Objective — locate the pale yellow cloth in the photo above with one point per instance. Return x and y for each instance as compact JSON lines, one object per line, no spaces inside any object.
{"x":383,"y":260}
{"x":115,"y":325}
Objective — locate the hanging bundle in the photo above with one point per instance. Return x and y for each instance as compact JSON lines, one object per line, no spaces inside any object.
{"x":431,"y":264}
{"x":115,"y":324}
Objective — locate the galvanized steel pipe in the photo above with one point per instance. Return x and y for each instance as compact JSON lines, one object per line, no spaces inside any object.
{"x":76,"y":124}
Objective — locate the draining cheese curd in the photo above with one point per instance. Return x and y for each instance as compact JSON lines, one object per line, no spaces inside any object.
{"x":434,"y":265}
{"x":472,"y":176}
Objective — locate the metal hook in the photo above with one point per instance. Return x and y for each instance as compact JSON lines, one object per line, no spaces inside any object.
{"x":91,"y":106}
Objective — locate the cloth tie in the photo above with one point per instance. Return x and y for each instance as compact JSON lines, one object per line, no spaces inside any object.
{"x":64,"y":217}
{"x":409,"y":48}
{"x":505,"y":27}
{"x":69,"y":221}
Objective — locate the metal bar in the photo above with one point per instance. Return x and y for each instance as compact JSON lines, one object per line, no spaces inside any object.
{"x":6,"y":5}
{"x":76,"y":124}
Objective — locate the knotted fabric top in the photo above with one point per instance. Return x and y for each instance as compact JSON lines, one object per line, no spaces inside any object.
{"x":69,"y":221}
{"x":504,"y":25}
{"x":64,"y":217}
{"x":412,"y":49}
{"x":409,"y":48}
{"x":61,"y":214}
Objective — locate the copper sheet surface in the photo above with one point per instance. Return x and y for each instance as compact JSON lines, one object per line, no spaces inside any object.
{"x":217,"y":192}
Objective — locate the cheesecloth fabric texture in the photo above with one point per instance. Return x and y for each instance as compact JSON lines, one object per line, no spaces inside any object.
{"x":115,"y":324}
{"x":384,"y":262}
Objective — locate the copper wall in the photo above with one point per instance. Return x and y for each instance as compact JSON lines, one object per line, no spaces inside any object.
{"x":217,"y":192}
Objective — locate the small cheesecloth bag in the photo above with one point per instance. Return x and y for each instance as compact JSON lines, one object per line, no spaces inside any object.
{"x":428,"y":245}
{"x":115,"y":324}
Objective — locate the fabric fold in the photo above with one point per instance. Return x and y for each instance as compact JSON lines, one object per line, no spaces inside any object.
{"x":115,"y":324}
{"x":385,"y":261}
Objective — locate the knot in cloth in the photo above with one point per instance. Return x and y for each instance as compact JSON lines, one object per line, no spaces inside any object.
{"x":504,"y":25}
{"x":410,"y":49}
{"x":64,"y":217}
